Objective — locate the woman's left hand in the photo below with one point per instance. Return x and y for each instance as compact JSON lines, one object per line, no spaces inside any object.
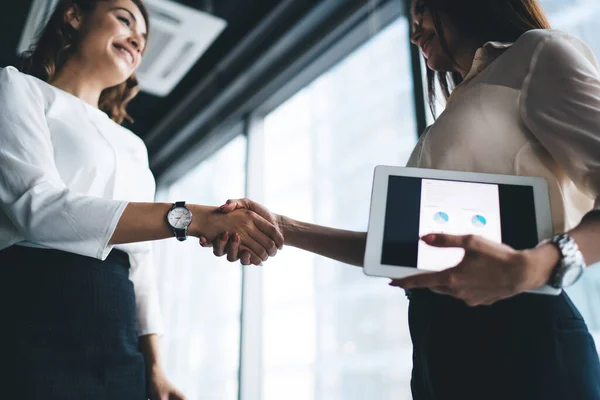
{"x":488,"y":272}
{"x":160,"y":388}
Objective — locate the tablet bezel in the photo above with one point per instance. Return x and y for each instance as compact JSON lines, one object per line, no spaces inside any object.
{"x":372,"y":261}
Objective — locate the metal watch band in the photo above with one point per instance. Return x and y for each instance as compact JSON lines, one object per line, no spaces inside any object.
{"x":571,"y":257}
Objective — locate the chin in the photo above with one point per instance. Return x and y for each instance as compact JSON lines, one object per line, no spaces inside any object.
{"x":434,"y":64}
{"x":438,"y":65}
{"x":119,"y":74}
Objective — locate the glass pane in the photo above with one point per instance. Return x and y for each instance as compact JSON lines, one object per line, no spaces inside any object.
{"x":330,"y":332}
{"x":201,"y":294}
{"x":580,"y":18}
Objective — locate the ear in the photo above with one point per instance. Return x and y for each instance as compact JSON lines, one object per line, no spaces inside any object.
{"x":73,"y":16}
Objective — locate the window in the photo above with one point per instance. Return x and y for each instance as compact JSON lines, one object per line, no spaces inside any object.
{"x":329,"y":332}
{"x":201,"y":294}
{"x":580,"y":18}
{"x":318,"y":329}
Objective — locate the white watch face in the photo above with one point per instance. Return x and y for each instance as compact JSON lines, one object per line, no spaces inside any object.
{"x":571,"y":276}
{"x":179,"y":218}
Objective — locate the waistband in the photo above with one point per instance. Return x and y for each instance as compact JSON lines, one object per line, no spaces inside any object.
{"x":30,"y":255}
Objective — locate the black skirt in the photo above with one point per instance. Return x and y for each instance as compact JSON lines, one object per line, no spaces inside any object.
{"x":529,"y":347}
{"x":74,"y":322}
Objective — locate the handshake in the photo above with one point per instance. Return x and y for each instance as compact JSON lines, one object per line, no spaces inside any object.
{"x":243,"y":230}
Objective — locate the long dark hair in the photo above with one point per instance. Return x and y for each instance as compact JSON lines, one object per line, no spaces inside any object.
{"x":57,"y":42}
{"x":482,"y":20}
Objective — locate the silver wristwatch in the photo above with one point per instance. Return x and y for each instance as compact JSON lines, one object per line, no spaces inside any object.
{"x":571,"y":265}
{"x":179,"y":218}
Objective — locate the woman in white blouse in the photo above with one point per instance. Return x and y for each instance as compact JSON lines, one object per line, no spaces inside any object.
{"x":77,"y":212}
{"x":526,"y":102}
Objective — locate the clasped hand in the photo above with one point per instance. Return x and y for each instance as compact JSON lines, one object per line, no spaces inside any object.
{"x":245,"y":231}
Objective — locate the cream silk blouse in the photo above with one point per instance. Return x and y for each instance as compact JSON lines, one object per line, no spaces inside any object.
{"x":529,"y":108}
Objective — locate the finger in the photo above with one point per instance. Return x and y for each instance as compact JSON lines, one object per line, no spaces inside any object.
{"x":444,"y":240}
{"x":473,"y":302}
{"x":233,"y":248}
{"x":471,"y":243}
{"x":445,"y":290}
{"x":269,"y":248}
{"x":231,"y":205}
{"x":246,"y":257}
{"x":256,"y":248}
{"x":220,"y":243}
{"x":263,"y":238}
{"x":254,"y":260}
{"x":204,"y":242}
{"x":271,"y":231}
{"x":490,"y":301}
{"x":425,"y":280}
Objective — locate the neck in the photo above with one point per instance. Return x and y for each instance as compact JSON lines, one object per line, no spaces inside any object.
{"x":75,"y":77}
{"x":465,"y":61}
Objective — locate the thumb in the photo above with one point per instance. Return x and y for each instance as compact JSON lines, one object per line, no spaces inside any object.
{"x":231,"y":205}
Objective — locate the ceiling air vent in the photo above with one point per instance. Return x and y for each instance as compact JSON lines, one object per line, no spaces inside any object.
{"x":179,"y":36}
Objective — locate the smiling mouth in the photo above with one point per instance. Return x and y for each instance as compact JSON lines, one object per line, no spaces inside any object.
{"x":126,"y":54}
{"x":426,"y":44}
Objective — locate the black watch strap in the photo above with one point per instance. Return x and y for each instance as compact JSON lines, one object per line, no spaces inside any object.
{"x":180,"y":234}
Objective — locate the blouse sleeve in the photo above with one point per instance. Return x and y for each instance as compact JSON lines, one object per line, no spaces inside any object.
{"x":32,"y":194}
{"x":560,"y":104}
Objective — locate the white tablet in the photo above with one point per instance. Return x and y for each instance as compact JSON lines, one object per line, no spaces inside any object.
{"x":408,"y":203}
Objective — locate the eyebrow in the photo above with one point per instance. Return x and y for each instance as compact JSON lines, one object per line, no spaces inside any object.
{"x":145,"y":35}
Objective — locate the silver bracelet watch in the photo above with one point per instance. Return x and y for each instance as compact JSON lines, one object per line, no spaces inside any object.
{"x":571,"y":265}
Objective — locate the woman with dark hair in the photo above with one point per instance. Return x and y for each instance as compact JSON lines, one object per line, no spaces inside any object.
{"x":77,"y":213}
{"x":521,"y":100}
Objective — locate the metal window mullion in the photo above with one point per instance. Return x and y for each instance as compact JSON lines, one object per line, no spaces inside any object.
{"x":251,"y":335}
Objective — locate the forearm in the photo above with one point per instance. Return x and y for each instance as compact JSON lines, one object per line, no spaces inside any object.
{"x":142,"y":222}
{"x":150,"y":348}
{"x":587,"y":237}
{"x":341,"y":245}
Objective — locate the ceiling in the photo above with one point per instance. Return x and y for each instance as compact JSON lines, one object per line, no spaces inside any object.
{"x":242,"y":17}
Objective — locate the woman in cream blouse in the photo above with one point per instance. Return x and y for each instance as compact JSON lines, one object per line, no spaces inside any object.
{"x":77,"y":213}
{"x":526,"y":102}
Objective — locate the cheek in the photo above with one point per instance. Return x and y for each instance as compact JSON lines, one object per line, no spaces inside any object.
{"x":438,"y":59}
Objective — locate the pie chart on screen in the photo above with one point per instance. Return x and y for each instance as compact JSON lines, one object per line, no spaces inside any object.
{"x":441,"y":217}
{"x":479,"y":221}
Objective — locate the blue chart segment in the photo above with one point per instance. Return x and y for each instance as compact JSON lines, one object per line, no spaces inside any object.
{"x":441,"y":217}
{"x":479,"y":221}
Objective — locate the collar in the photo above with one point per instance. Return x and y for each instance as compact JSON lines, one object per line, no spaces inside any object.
{"x":484,"y":57}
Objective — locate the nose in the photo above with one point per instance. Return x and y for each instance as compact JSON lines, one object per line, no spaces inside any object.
{"x":416,"y":34}
{"x":135,"y":42}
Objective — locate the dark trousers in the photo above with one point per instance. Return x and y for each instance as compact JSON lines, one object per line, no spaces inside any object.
{"x":74,"y":325}
{"x":528,"y":347}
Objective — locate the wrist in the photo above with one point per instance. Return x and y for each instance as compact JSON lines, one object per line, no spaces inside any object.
{"x":201,"y":220}
{"x":154,"y":370}
{"x":150,"y":347}
{"x":289,"y":229}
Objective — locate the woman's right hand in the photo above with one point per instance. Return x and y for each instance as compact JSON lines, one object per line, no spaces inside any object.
{"x":248,"y":231}
{"x":229,"y":243}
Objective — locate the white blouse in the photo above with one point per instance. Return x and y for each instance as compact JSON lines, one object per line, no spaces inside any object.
{"x":529,"y":108}
{"x":67,"y":171}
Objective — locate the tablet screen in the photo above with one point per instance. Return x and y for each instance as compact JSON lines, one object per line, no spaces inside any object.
{"x":418,"y":206}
